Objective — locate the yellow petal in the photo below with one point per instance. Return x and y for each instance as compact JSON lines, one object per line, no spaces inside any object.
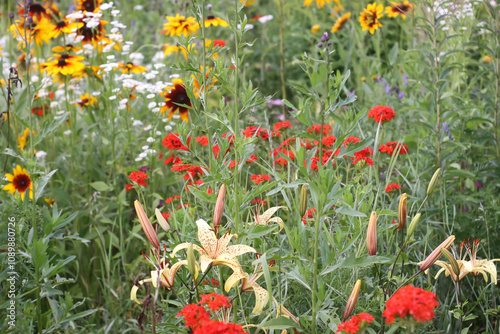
{"x":261,"y":298}
{"x":234,"y":279}
{"x":236,"y":250}
{"x":184,"y":246}
{"x":207,"y":237}
{"x":133,"y":292}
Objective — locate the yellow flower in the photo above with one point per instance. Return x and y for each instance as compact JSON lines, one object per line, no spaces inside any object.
{"x":341,"y":21}
{"x":40,"y":32}
{"x":265,"y":218}
{"x":131,"y":68}
{"x":20,"y":181}
{"x":248,"y":3}
{"x":168,"y":49}
{"x":86,"y":100}
{"x":23,"y":139}
{"x":180,"y":25}
{"x":396,"y":9}
{"x":215,"y":21}
{"x":176,"y":99}
{"x":198,"y":80}
{"x":215,"y":251}
{"x":67,"y":48}
{"x":369,"y":17}
{"x":248,"y":284}
{"x":50,"y":201}
{"x":487,"y":60}
{"x":64,"y":26}
{"x":315,"y":28}
{"x":64,"y":64}
{"x":319,"y":3}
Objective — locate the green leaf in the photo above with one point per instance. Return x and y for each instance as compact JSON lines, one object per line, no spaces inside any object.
{"x":345,"y":210}
{"x":393,"y":54}
{"x":42,"y":183}
{"x":363,"y":262}
{"x":296,"y":275}
{"x":278,"y":323}
{"x":100,"y":186}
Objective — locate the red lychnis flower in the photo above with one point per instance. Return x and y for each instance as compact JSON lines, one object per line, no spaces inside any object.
{"x":173,"y":142}
{"x":260,"y":178}
{"x":194,"y":315}
{"x":214,"y":301}
{"x":139,"y":177}
{"x":217,"y":327}
{"x":309,"y":215}
{"x":256,"y":131}
{"x":411,"y":302}
{"x":392,"y":147}
{"x":356,"y":323}
{"x":281,"y":125}
{"x":392,"y":186}
{"x":281,"y":160}
{"x":365,"y":155}
{"x":381,"y":114}
{"x":259,"y":201}
{"x":203,"y":140}
{"x":327,"y":129}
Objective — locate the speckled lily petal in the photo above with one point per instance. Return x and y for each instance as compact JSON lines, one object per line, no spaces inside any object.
{"x":236,"y":250}
{"x":207,"y":237}
{"x":233,"y":280}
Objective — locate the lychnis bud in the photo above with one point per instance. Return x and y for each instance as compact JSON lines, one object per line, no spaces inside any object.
{"x":371,"y":235}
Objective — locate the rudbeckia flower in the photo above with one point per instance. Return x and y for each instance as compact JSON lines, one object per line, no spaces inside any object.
{"x":180,"y":25}
{"x":86,"y":100}
{"x":131,"y":68}
{"x":369,"y":17}
{"x":64,"y":64}
{"x":88,"y":5}
{"x":64,"y":26}
{"x":215,"y":21}
{"x":176,"y":99}
{"x":20,"y":181}
{"x":340,"y":22}
{"x":396,"y":9}
{"x":319,"y":3}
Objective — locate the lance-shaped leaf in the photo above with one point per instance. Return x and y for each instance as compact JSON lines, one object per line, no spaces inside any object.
{"x":265,"y":218}
{"x":215,"y":251}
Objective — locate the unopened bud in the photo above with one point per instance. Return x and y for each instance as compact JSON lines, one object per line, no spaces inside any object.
{"x":433,"y":182}
{"x":11,"y":16}
{"x":219,"y":206}
{"x":162,"y":221}
{"x":191,"y":261}
{"x":303,"y":200}
{"x":146,"y":225}
{"x":29,"y":20}
{"x":402,"y":211}
{"x":413,"y":225}
{"x":351,"y":302}
{"x":371,"y":235}
{"x":436,"y":254}
{"x":453,"y":262}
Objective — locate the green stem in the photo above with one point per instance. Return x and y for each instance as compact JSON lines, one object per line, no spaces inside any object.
{"x":236,"y":116}
{"x":282,"y":57}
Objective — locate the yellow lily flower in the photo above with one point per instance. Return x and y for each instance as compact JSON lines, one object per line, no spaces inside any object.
{"x":248,"y":284}
{"x":165,"y":276}
{"x":265,"y":218}
{"x":215,"y":251}
{"x":474,"y":266}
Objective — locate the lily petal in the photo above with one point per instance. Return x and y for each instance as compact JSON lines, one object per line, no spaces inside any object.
{"x":207,"y":237}
{"x":236,"y":250}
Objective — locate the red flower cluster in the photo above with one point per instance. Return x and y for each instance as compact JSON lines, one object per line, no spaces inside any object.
{"x":203,"y":140}
{"x":329,"y":141}
{"x":281,"y":125}
{"x":259,"y":201}
{"x":353,"y":325}
{"x":214,"y":301}
{"x":256,"y":131}
{"x":215,"y":282}
{"x":393,"y":146}
{"x":327,"y":129}
{"x":381,"y":114}
{"x":173,"y":142}
{"x":137,"y":177}
{"x":392,"y":186}
{"x":411,"y":302}
{"x":365,"y":155}
{"x":281,"y":160}
{"x":260,"y":178}
{"x":309,"y":215}
{"x":197,"y":318}
{"x":251,"y":159}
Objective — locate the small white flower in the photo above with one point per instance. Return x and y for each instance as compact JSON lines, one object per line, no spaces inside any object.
{"x":137,"y":123}
{"x":152,"y":105}
{"x":138,"y":159}
{"x":168,"y":128}
{"x":150,"y":96}
{"x":143,"y":155}
{"x":159,"y":65}
{"x":110,"y":57}
{"x":67,"y":132}
{"x":155,"y":110}
{"x":158,"y":133}
{"x":138,"y":7}
{"x":96,"y":93}
{"x":147,"y":128}
{"x":41,"y":154}
{"x":35,"y":78}
{"x":145,"y":147}
{"x":265,"y":18}
{"x":115,"y":12}
{"x":150,"y":140}
{"x":112,"y":97}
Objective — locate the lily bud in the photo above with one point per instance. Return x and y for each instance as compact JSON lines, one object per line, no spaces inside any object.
{"x":303,"y":200}
{"x":436,"y":254}
{"x":219,"y":206}
{"x":453,"y":262}
{"x":146,"y":225}
{"x":371,"y":235}
{"x":433,"y":182}
{"x":162,"y":221}
{"x":191,"y":261}
{"x":413,"y":225}
{"x":402,"y":211}
{"x":351,"y":302}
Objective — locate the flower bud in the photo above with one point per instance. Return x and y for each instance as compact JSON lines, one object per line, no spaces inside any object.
{"x":402,"y":211}
{"x":162,"y":221}
{"x":11,"y":15}
{"x":413,"y":225}
{"x":146,"y":225}
{"x":351,"y":302}
{"x":436,"y":254}
{"x":219,"y":206}
{"x":191,"y":261}
{"x":371,"y":235}
{"x":453,"y":262}
{"x":303,"y":200}
{"x":433,"y":182}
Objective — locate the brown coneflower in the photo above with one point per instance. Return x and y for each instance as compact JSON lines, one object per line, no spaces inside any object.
{"x":176,"y":99}
{"x":396,"y":9}
{"x":20,"y":181}
{"x":65,"y":65}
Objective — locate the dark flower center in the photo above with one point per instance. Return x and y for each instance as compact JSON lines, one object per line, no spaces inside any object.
{"x":210,"y":17}
{"x":21,"y":182}
{"x":61,"y":24}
